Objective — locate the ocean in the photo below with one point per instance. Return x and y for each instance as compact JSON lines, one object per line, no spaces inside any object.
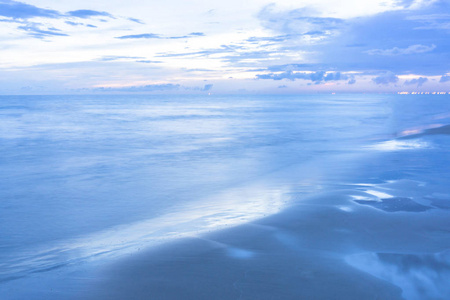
{"x":345,"y":186}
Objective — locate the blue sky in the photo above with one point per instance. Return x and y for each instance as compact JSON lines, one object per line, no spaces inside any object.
{"x":232,"y":46}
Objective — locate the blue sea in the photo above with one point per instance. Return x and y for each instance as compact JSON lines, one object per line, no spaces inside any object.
{"x":352,"y":189}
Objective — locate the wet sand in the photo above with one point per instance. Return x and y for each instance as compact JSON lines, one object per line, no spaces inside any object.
{"x":309,"y":251}
{"x":326,"y":246}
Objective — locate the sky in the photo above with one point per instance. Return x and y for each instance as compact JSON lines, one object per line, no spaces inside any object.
{"x":221,"y":47}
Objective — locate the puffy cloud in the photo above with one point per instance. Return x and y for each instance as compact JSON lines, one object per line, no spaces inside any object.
{"x":386,"y":78}
{"x":418,"y":81}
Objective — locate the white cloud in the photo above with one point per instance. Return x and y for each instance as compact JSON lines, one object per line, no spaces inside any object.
{"x":74,"y":54}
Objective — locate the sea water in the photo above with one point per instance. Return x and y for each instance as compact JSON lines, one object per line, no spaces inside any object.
{"x":95,"y":176}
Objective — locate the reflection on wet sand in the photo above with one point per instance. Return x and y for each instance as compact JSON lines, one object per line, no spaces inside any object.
{"x":420,"y":276}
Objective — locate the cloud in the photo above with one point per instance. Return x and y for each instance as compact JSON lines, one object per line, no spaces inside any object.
{"x":413,"y":49}
{"x":35,"y":31}
{"x":123,"y":58}
{"x":386,"y":78}
{"x":304,"y":26}
{"x":316,"y":77}
{"x":352,"y":81}
{"x":223,"y":49}
{"x":144,"y":88}
{"x":436,"y":19}
{"x":335,"y":76}
{"x":419,"y":81}
{"x":207,"y":87}
{"x":197,"y":34}
{"x":236,"y":57}
{"x":140,"y":36}
{"x":157,"y":36}
{"x":86,"y":13}
{"x":19,"y":10}
{"x":388,"y":35}
{"x":146,"y":61}
{"x":405,"y":41}
{"x":119,"y":57}
{"x":136,"y":20}
{"x":297,"y":21}
{"x":22,"y":14}
{"x":444,"y":78}
{"x":292,"y":67}
{"x":80,"y":24}
{"x":73,"y":23}
{"x":269,"y":39}
{"x":166,"y":87}
{"x":405,"y":3}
